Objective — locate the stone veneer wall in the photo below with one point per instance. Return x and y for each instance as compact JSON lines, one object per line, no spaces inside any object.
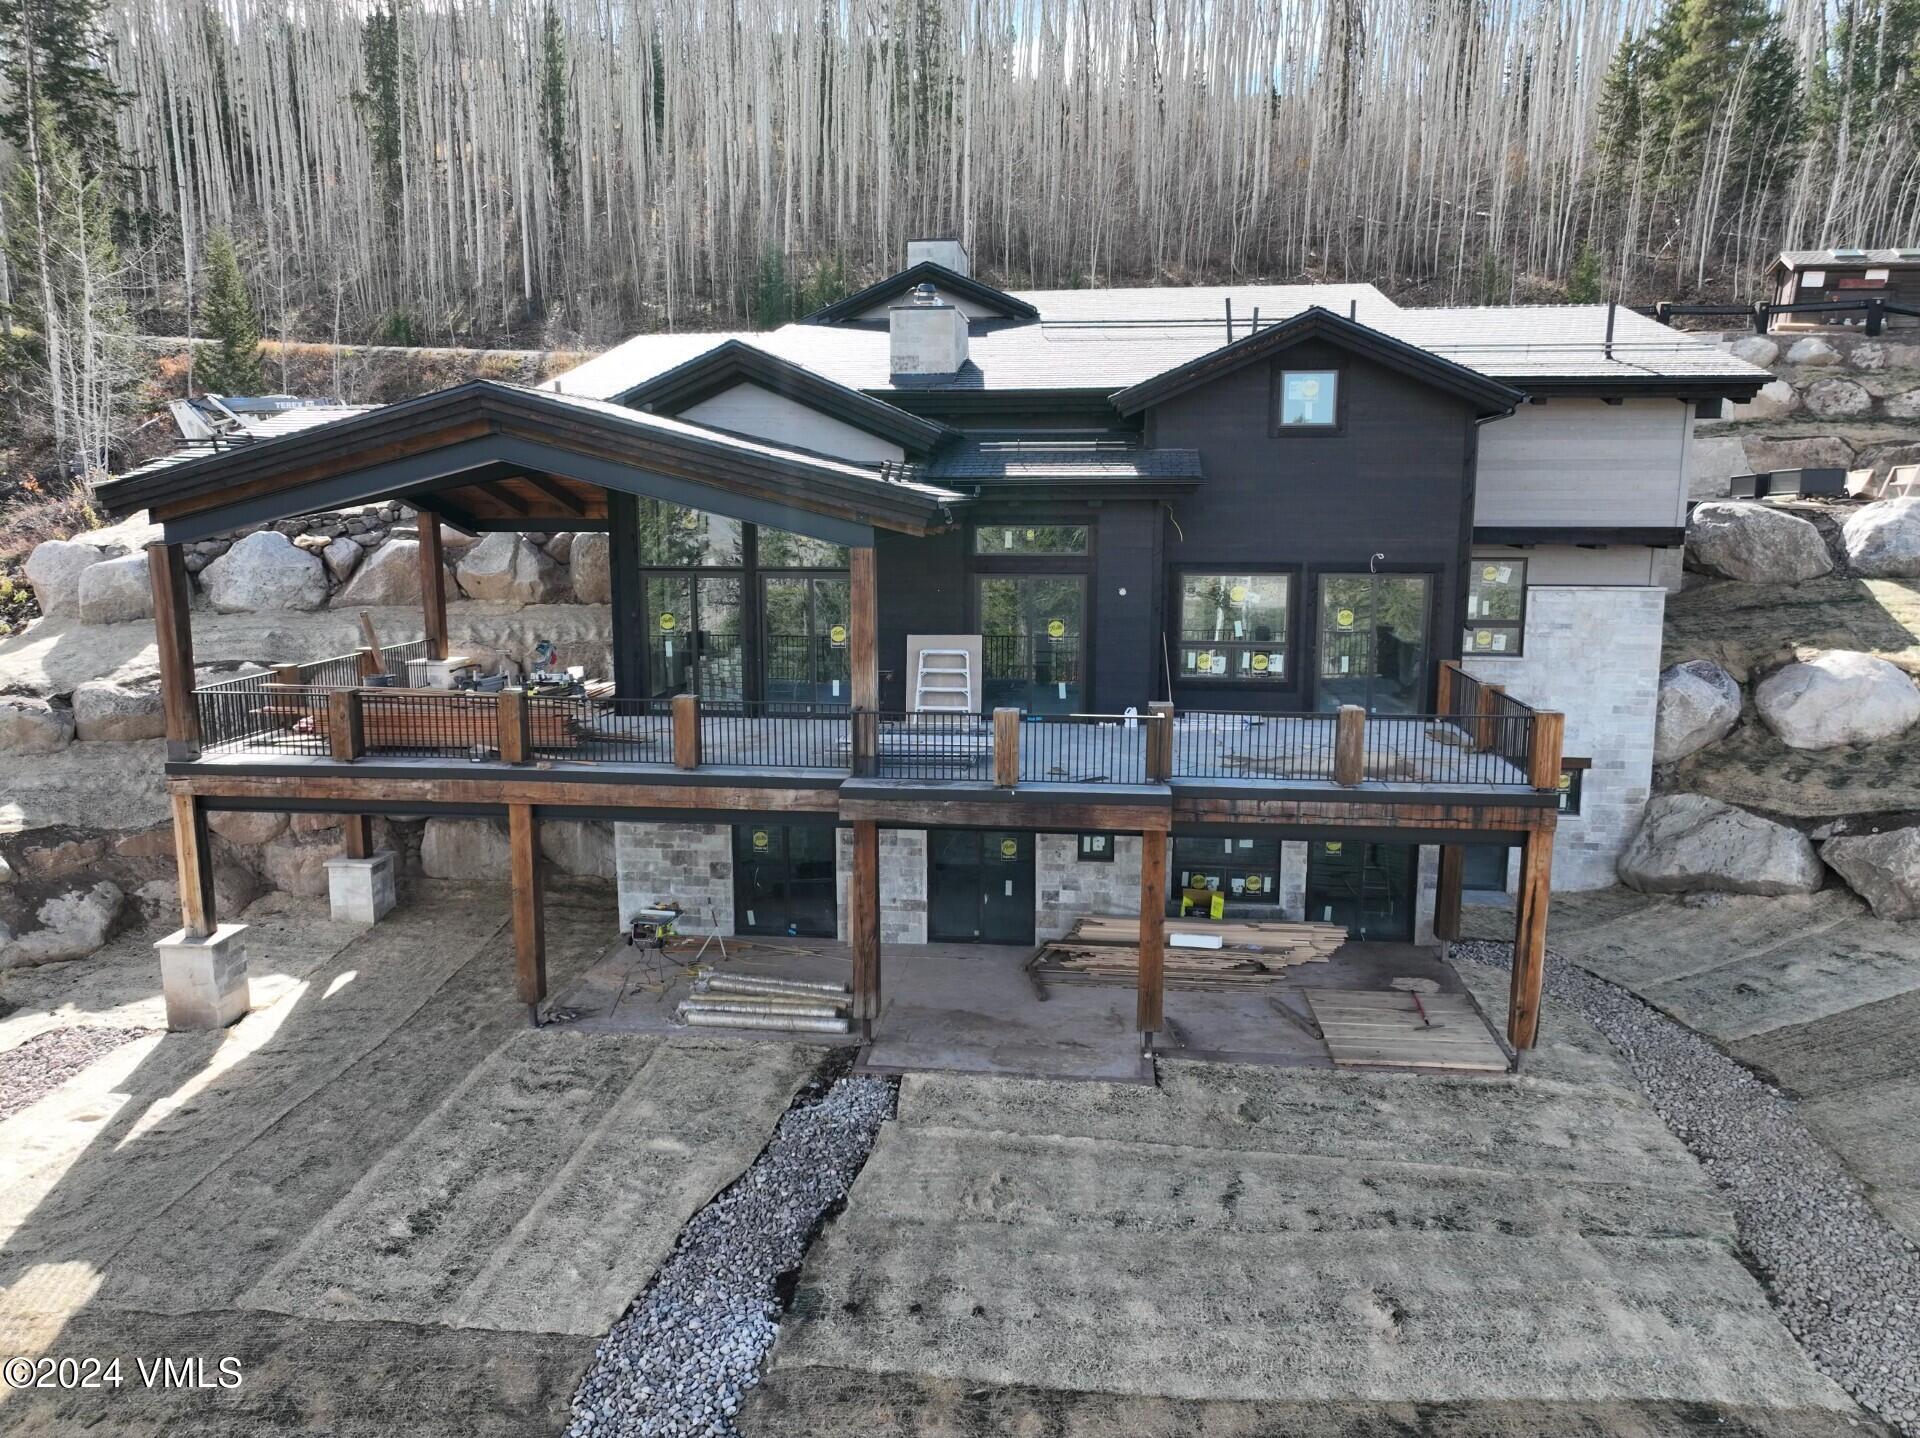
{"x":1592,"y":652}
{"x":692,"y":863}
{"x":1065,"y":888}
{"x":903,"y":884}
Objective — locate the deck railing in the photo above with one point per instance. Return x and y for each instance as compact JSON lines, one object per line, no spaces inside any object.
{"x":1083,"y":749}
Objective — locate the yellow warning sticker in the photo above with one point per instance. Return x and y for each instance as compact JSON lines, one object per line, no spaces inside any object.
{"x":759,"y":838}
{"x":1009,"y":847}
{"x":1238,"y":594}
{"x":1344,"y":618}
{"x":667,"y":622}
{"x":838,"y":634}
{"x":1490,"y":573}
{"x":1260,"y":663}
{"x":1483,"y":639}
{"x":1056,"y":629}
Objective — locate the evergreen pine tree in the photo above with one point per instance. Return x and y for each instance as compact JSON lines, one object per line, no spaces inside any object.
{"x":227,"y":316}
{"x":1584,"y":283}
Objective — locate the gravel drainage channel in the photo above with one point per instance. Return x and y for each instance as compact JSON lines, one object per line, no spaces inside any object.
{"x":680,"y":1360}
{"x":37,"y":1067}
{"x":1846,"y":1282}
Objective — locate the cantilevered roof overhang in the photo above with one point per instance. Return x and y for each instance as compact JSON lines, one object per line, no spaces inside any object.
{"x":491,"y":456}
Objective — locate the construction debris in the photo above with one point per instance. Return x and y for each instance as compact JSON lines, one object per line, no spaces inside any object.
{"x":1198,"y":954}
{"x":764,"y":1001}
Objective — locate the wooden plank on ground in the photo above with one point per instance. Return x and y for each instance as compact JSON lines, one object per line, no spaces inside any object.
{"x":1366,"y":1029}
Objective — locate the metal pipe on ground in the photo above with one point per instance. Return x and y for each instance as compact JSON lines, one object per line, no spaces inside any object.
{"x":759,"y":996}
{"x":761,"y":984}
{"x":704,"y":1019}
{"x":748,"y":1006}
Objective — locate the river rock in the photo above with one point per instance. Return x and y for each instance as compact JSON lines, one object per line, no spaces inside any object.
{"x":1837,"y":697}
{"x":1755,"y":349}
{"x":1838,"y":399}
{"x":1745,"y":539}
{"x":265,"y":571}
{"x":1812,"y":350}
{"x":388,"y":576}
{"x":1688,"y":843}
{"x":1883,"y":869}
{"x":69,"y":925}
{"x":1883,"y":539}
{"x":247,"y":828}
{"x":592,"y":578}
{"x":116,"y":591}
{"x":578,"y":846}
{"x":107,"y":712}
{"x":505,"y":568}
{"x":1699,"y":704}
{"x":54,"y":569}
{"x":465,"y":849}
{"x":33,"y":726}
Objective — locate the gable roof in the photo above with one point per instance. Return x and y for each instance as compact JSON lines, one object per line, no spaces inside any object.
{"x":1488,"y":396}
{"x":487,"y":455}
{"x":926,"y":272}
{"x":734,"y":362}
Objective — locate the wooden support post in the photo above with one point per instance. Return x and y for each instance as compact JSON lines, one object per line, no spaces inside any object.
{"x":511,"y":713}
{"x":529,"y":917}
{"x":1350,"y":744}
{"x":1443,"y":688}
{"x":346,"y":727}
{"x":1150,"y":991}
{"x":863,"y":628}
{"x":358,"y":829}
{"x":433,"y":589}
{"x":1006,"y":748}
{"x":1487,"y":729}
{"x":864,"y":761}
{"x":686,"y":731}
{"x":367,"y":662}
{"x":173,"y":628}
{"x":863,"y":923}
{"x":1446,"y":898}
{"x":1530,"y":938}
{"x":1160,"y":742}
{"x":290,"y":675}
{"x":193,"y":855}
{"x":1543,"y":750}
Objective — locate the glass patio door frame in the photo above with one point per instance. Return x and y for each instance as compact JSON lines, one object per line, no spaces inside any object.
{"x":1315,"y":622}
{"x":1077,"y":575}
{"x":817,"y":633}
{"x":692,"y":632}
{"x":1371,"y":882}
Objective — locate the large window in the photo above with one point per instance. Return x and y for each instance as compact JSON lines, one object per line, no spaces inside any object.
{"x":1242,"y":871}
{"x":1022,"y":539}
{"x":1032,"y":630}
{"x":1233,"y":627}
{"x":675,"y":537}
{"x":1309,"y":399}
{"x":1496,"y":607}
{"x":1373,"y":642}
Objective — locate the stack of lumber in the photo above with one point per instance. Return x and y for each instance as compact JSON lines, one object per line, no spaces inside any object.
{"x":1106,"y":949}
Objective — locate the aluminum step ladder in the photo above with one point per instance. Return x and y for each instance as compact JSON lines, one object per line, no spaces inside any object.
{"x":943,"y":682}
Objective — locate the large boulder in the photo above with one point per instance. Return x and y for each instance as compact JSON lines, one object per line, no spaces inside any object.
{"x":1883,"y":869}
{"x":247,"y":828}
{"x":505,"y":568}
{"x":1838,"y":399}
{"x":1755,"y":349}
{"x":388,"y":576}
{"x":578,"y":846}
{"x":1715,"y":460}
{"x":1688,"y":843}
{"x":342,"y":557}
{"x":1699,"y":704}
{"x":1837,"y":697}
{"x":465,"y":849}
{"x":1777,"y":399}
{"x":265,"y":570}
{"x":294,"y":864}
{"x":107,"y":712}
{"x":592,"y":576}
{"x":116,"y":591}
{"x":1883,"y":539}
{"x":33,"y":726}
{"x":69,"y":925}
{"x":1744,"y":539}
{"x":1813,"y":350}
{"x":1814,"y":451}
{"x":54,"y":569}
{"x":1905,"y":405}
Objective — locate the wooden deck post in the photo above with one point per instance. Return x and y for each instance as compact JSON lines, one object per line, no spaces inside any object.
{"x":1160,"y":742}
{"x":346,"y":726}
{"x":1150,"y":992}
{"x":357,"y":830}
{"x":529,"y":917}
{"x":193,"y":855}
{"x":1446,"y":898}
{"x":863,"y":923}
{"x":863,"y":628}
{"x":686,"y":731}
{"x":1543,"y":750}
{"x":173,"y":629}
{"x":367,"y":662}
{"x":511,"y":716}
{"x":1530,"y":937}
{"x":291,"y":675}
{"x":1486,"y":731}
{"x":1350,"y":745}
{"x":1443,"y":688}
{"x":433,"y":585}
{"x":1006,"y":748}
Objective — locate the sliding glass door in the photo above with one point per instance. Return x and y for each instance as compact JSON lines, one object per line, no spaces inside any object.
{"x":1032,"y":629}
{"x":1374,"y":641}
{"x":694,"y":636}
{"x":804,"y":643}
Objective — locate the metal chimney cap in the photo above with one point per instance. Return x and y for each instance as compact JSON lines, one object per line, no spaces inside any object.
{"x":925,"y":294}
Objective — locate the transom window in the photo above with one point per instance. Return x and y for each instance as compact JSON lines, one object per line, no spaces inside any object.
{"x":1233,"y":627}
{"x":1496,"y":607}
{"x":1030,"y":539}
{"x":1309,"y":398}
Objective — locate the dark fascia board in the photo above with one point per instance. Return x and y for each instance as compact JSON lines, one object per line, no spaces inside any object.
{"x":483,"y":413}
{"x":1653,"y":538}
{"x":926,"y":272}
{"x":737,"y":362}
{"x":1734,"y":387}
{"x":1488,"y":396}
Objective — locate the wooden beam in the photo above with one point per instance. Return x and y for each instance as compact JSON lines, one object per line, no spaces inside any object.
{"x":433,"y":585}
{"x":1160,"y":742}
{"x":292,"y":675}
{"x":349,"y":792}
{"x":1006,"y":748}
{"x":368,"y":662}
{"x":863,"y":627}
{"x":504,"y":497}
{"x":529,"y":916}
{"x":173,"y":628}
{"x":1350,"y":745}
{"x":511,"y":715}
{"x":368,"y":632}
{"x":863,"y":923}
{"x":1446,"y":899}
{"x":346,"y":725}
{"x":1530,"y":939}
{"x":1150,"y":993}
{"x":557,"y":492}
{"x":1443,"y":687}
{"x":1549,"y":733}
{"x":442,"y":508}
{"x":922,"y":808}
{"x":686,"y":731}
{"x":358,"y":831}
{"x":193,"y":856}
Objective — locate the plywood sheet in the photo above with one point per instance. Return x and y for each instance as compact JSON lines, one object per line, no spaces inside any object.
{"x":1365,"y":1029}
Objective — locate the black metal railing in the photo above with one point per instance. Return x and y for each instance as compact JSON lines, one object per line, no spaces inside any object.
{"x":1433,"y":749}
{"x":610,"y":731}
{"x":251,"y":712}
{"x":1252,"y":746}
{"x":931,"y":746}
{"x":1873,"y":312}
{"x":420,"y":725}
{"x":1083,"y":749}
{"x":771,"y":734}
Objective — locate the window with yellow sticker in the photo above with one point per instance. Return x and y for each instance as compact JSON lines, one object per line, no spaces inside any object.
{"x":1496,"y":608}
{"x":1233,"y":628}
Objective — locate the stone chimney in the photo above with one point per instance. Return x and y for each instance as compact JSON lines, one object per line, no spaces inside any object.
{"x":948,"y":254}
{"x":926,"y":336}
